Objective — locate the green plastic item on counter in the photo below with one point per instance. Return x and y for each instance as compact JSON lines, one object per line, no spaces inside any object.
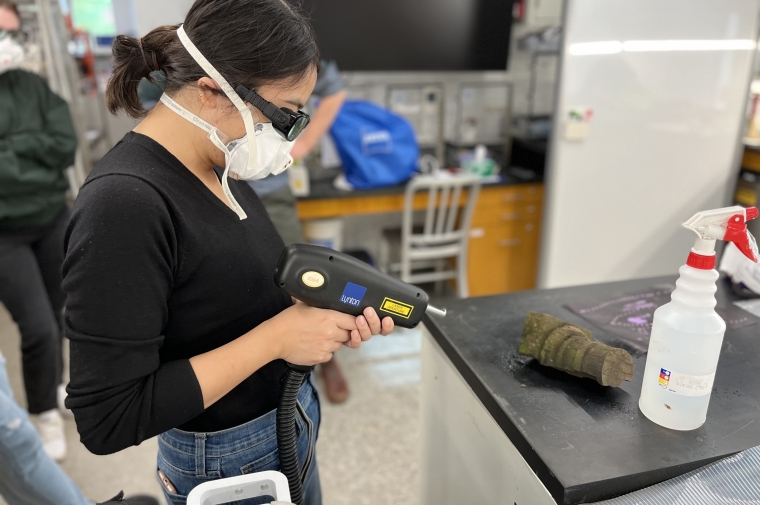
{"x":478,"y":163}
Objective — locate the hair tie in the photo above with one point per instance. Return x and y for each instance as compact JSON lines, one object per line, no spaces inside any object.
{"x":152,"y":53}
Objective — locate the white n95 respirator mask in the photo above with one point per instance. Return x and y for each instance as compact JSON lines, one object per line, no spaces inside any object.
{"x":272,"y":153}
{"x":262,"y":151}
{"x":11,"y":54}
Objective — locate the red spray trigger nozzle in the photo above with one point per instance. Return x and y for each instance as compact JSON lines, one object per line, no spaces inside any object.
{"x":736,"y":232}
{"x":729,"y":223}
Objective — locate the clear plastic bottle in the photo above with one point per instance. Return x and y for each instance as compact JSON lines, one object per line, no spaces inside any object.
{"x":687,"y":333}
{"x":684,"y":348}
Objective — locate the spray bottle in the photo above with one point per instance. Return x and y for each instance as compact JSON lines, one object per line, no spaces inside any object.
{"x":687,"y":333}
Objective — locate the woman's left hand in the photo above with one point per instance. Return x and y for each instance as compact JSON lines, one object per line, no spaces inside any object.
{"x":369,"y":324}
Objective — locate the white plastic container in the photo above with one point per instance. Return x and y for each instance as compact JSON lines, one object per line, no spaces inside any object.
{"x":684,"y":348}
{"x":324,"y":232}
{"x":687,"y":333}
{"x":298,"y":179}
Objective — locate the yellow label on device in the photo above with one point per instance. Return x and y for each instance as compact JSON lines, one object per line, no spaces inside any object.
{"x":396,"y":307}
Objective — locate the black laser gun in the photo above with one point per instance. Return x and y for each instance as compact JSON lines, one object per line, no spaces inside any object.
{"x":327,"y":279}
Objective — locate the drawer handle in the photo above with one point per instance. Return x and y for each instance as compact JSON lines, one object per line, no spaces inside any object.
{"x":477,"y":233}
{"x":511,"y":197}
{"x":509,"y":242}
{"x":510,"y":216}
{"x":531,"y":209}
{"x":529,"y":227}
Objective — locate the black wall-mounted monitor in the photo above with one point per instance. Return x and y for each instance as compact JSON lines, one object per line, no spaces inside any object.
{"x":413,"y":35}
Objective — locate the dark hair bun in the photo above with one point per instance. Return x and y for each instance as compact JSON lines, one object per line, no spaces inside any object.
{"x":135,"y":59}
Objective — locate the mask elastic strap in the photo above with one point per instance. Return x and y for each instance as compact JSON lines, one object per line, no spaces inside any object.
{"x":200,"y":123}
{"x":177,"y":108}
{"x":231,"y":94}
{"x":226,"y":188}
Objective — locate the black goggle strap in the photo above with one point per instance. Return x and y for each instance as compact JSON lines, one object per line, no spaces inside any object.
{"x":270,"y":110}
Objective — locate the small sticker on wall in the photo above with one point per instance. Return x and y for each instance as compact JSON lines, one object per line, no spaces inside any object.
{"x":577,"y":123}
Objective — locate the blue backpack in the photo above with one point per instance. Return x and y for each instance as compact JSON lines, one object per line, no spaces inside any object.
{"x":377,"y":148}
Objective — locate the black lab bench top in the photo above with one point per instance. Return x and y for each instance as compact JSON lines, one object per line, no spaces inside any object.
{"x":584,"y":441}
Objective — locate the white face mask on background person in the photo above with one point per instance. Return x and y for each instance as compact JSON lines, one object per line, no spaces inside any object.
{"x":11,"y":54}
{"x":262,"y":151}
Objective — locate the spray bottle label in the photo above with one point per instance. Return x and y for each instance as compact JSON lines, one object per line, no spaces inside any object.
{"x":686,"y":385}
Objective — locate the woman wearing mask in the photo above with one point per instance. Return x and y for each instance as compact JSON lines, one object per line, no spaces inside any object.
{"x":176,"y":326}
{"x":37,"y":142}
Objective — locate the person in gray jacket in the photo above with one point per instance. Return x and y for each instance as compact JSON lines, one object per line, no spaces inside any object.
{"x":274,"y":192}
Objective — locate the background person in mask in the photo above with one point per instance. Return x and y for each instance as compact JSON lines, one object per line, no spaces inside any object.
{"x":37,"y":142}
{"x":280,"y":203}
{"x":176,"y":326}
{"x":274,"y":190}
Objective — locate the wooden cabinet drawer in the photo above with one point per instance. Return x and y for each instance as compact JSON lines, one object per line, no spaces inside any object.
{"x":514,"y":234}
{"x":504,"y":239}
{"x":505,"y":214}
{"x":503,"y":258}
{"x":505,"y":195}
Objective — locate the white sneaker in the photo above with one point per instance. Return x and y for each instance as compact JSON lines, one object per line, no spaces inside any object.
{"x":62,"y":402}
{"x":50,"y":427}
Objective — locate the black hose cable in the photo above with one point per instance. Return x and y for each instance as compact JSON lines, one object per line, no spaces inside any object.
{"x":287,"y":440}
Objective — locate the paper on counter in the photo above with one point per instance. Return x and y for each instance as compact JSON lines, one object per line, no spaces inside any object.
{"x":751,"y":306}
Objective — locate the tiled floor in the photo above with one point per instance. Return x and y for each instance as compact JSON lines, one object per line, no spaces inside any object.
{"x":368,"y":448}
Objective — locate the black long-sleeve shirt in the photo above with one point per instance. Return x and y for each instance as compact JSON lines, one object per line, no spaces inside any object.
{"x":159,"y":270}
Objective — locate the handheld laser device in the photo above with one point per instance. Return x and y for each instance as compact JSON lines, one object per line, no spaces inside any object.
{"x":327,"y":279}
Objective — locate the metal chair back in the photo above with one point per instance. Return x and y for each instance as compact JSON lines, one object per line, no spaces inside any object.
{"x":445,"y":233}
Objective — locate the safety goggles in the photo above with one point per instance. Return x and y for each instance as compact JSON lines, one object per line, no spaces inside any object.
{"x":289,"y":123}
{"x":16,"y":35}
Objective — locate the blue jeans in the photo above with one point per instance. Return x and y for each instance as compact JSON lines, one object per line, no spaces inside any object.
{"x":190,"y":459}
{"x":27,"y":475}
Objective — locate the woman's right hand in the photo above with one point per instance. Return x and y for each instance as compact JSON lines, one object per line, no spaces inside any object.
{"x":305,"y":335}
